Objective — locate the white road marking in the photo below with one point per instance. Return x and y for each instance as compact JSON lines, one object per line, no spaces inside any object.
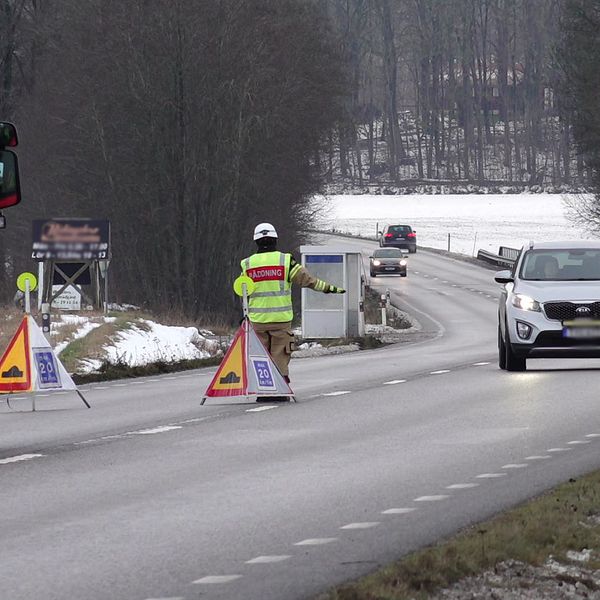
{"x":119,"y":385}
{"x":340,"y":393}
{"x":558,"y":449}
{"x":515,"y":466}
{"x":431,"y":498}
{"x":578,"y":442}
{"x":440,"y":372}
{"x":394,"y":381}
{"x":538,"y":457}
{"x":593,"y":435}
{"x":461,"y":486}
{"x":490,"y":475}
{"x":480,"y":364}
{"x":260,"y":560}
{"x":315,"y":541}
{"x":20,"y":457}
{"x":138,"y":383}
{"x":261,"y":408}
{"x":397,"y":511}
{"x":101,"y":387}
{"x":217,"y":579}
{"x":364,"y":525}
{"x":160,"y":429}
{"x":170,"y":377}
{"x":444,"y":281}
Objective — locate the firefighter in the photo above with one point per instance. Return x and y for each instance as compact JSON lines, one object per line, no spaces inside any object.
{"x":270,"y":305}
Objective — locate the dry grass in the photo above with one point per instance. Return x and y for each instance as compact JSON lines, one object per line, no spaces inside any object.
{"x":10,"y":318}
{"x":549,"y":525}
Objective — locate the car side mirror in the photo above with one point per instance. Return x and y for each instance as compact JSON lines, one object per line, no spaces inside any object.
{"x":503,"y":277}
{"x":8,"y":135}
{"x":10,"y":191}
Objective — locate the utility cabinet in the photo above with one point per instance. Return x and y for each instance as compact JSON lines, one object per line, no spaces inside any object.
{"x":333,"y":315}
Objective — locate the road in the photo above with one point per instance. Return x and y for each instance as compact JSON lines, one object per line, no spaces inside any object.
{"x":150,"y":495}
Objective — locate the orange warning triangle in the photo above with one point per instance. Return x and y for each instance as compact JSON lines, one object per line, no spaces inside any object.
{"x":15,"y":367}
{"x":230,"y":378}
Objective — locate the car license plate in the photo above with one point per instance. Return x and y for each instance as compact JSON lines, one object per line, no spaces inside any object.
{"x":582,"y":329}
{"x":390,"y":268}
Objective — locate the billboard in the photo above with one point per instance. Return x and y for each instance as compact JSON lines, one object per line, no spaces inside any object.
{"x":71,"y":239}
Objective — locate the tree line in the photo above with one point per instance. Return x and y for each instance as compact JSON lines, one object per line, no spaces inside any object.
{"x":454,"y":90}
{"x":185,"y":122}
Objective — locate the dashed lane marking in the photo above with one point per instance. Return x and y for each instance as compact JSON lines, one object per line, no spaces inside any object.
{"x":397,"y":511}
{"x":461,"y":486}
{"x":364,"y":525}
{"x":579,"y":442}
{"x":559,"y":449}
{"x":431,"y":498}
{"x":480,"y":364}
{"x":593,"y":435}
{"x":490,"y":475}
{"x":19,"y":458}
{"x":261,"y":560}
{"x":161,"y":429}
{"x":515,"y":466}
{"x":440,"y":372}
{"x":340,"y":393}
{"x":119,"y":385}
{"x":315,"y":541}
{"x":394,"y":381}
{"x":261,"y":408}
{"x":538,"y":457}
{"x":101,"y":387}
{"x":212,"y":579}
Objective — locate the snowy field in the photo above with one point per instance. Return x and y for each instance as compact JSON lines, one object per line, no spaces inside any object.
{"x":473,"y":221}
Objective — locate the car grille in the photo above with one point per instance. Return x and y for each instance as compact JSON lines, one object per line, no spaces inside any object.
{"x":564,"y":311}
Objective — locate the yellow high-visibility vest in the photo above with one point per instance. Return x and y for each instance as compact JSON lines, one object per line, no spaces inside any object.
{"x":271,"y":302}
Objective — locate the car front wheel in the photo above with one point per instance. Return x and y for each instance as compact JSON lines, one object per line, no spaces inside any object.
{"x":501,"y":350}
{"x":513,"y":362}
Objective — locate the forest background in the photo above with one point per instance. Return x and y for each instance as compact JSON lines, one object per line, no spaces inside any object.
{"x":185,"y":122}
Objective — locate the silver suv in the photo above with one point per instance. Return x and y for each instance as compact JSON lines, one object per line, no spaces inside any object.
{"x":550,"y":304}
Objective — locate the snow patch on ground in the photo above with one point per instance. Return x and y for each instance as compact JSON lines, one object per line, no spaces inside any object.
{"x":473,"y":221}
{"x":153,"y":342}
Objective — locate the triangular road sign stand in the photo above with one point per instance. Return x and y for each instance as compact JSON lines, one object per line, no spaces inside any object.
{"x":30,"y":365}
{"x":247,"y":370}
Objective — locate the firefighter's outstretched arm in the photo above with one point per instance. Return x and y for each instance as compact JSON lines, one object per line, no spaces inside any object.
{"x":300,"y":276}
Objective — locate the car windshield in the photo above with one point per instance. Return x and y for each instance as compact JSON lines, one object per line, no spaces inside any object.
{"x":399,"y":228}
{"x":561,"y":265}
{"x":388,"y":253}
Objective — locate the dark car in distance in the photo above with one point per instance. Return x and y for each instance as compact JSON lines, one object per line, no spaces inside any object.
{"x":399,"y":236}
{"x":388,"y":261}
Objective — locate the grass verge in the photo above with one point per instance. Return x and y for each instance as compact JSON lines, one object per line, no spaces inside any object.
{"x":563,"y":519}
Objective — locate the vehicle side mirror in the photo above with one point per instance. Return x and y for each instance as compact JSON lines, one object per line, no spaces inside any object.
{"x":380,"y":233}
{"x":503,"y":277}
{"x":8,"y":135}
{"x":10,"y":190}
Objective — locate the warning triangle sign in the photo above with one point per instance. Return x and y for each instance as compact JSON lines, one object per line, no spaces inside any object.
{"x":30,"y":364}
{"x":247,"y":370}
{"x":15,"y":365}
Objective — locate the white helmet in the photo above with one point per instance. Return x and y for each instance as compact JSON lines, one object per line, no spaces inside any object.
{"x":263,"y":230}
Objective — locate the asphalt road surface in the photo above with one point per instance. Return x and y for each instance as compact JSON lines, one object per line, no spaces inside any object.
{"x":150,"y":495}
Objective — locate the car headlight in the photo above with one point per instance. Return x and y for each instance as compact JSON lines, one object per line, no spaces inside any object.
{"x":402,"y":263}
{"x":525,"y":302}
{"x":376,"y":262}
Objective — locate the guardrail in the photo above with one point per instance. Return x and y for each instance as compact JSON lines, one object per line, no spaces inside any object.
{"x":499,"y":259}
